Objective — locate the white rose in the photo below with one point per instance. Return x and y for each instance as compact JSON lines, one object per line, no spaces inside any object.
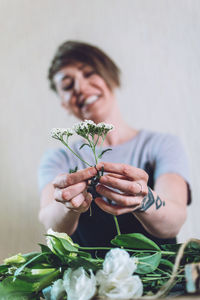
{"x":57,"y":290}
{"x":79,"y":285}
{"x":118,"y":264}
{"x":127,"y":288}
{"x":115,"y":280}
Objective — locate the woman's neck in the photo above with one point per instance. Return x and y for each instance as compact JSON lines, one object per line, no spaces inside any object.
{"x":122,"y":131}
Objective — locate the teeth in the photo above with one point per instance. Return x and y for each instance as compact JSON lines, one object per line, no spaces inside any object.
{"x":91,"y":99}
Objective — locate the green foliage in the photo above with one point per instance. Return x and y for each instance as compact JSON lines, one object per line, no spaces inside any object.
{"x":18,"y":289}
{"x":103,"y":152}
{"x":148,"y":263}
{"x":135,"y":241}
{"x":27,"y":280}
{"x":83,"y":145}
{"x":73,"y":170}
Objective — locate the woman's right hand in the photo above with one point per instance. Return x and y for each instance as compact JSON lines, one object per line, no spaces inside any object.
{"x":71,"y":189}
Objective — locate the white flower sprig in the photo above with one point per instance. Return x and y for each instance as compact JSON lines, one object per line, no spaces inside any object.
{"x":60,"y":133}
{"x":88,"y":130}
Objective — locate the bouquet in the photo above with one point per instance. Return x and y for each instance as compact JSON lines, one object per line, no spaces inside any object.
{"x":134,"y":267}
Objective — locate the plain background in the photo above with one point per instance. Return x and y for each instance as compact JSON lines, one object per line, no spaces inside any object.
{"x":155,"y":43}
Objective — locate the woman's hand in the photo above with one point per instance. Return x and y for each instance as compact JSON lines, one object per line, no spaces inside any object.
{"x":71,"y":189}
{"x":131,"y":185}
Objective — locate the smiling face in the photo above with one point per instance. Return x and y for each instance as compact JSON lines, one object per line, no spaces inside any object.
{"x":83,"y":92}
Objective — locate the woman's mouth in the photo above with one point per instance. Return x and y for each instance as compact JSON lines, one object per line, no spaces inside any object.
{"x":89,"y":101}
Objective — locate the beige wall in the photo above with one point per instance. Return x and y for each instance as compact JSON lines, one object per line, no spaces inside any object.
{"x":156,"y":44}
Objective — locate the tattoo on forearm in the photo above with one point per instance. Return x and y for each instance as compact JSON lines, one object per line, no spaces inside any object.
{"x":149,"y":200}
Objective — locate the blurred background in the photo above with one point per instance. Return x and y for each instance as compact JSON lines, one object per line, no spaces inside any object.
{"x":155,"y":43}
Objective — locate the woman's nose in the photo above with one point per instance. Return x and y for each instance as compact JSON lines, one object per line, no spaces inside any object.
{"x":76,"y":85}
{"x":80,"y":85}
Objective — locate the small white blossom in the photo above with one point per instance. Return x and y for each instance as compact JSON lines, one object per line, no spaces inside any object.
{"x":85,"y":127}
{"x":59,"y":133}
{"x":62,"y":235}
{"x":89,"y":127}
{"x":57,"y":290}
{"x":104,"y":128}
{"x":116,"y":280}
{"x":79,"y":285}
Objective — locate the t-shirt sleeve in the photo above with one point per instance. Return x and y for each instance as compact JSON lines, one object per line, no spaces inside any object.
{"x":53,"y":163}
{"x":170,"y":157}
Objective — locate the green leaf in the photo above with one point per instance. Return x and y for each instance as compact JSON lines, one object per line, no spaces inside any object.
{"x":134,"y":241}
{"x":40,"y":281}
{"x":25,"y":287}
{"x":68,"y":246}
{"x":30,"y":255}
{"x":148,"y":264}
{"x":85,"y":144}
{"x":104,"y":151}
{"x":73,"y":170}
{"x":84,"y":254}
{"x":39,"y":258}
{"x":86,"y":263}
{"x":3,"y":268}
{"x":16,"y":259}
{"x":194,"y":246}
{"x":167,"y":263}
{"x":170,"y":247}
{"x":10,"y":290}
{"x":44,"y":248}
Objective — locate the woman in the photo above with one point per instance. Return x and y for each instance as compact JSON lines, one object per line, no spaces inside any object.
{"x":146,"y":173}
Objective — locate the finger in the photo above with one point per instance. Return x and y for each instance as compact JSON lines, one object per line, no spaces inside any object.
{"x":126,"y":186}
{"x":65,"y":180}
{"x":81,"y":202}
{"x":114,"y":209}
{"x":123,"y":169}
{"x":77,"y":201}
{"x":120,"y":199}
{"x":70,"y":192}
{"x":117,"y":176}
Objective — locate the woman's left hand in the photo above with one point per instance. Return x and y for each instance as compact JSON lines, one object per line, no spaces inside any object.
{"x":131,"y":185}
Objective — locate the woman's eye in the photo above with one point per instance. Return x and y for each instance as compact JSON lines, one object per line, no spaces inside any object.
{"x":68,"y":86}
{"x":88,"y":74}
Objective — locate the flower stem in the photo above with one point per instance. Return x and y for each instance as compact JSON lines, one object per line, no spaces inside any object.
{"x":75,"y":153}
{"x":117,"y":225}
{"x":95,"y":248}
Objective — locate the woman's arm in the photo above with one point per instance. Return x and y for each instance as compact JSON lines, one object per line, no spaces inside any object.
{"x":163,"y":210}
{"x":63,"y":201}
{"x":165,"y":221}
{"x":54,"y":214}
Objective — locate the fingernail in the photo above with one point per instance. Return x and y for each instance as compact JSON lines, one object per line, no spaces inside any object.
{"x":89,"y":196}
{"x":60,"y":180}
{"x":58,"y":194}
{"x":68,"y":205}
{"x":92,"y":171}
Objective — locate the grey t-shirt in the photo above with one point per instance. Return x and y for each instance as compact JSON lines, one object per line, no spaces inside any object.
{"x":162,"y":153}
{"x":154,"y":152}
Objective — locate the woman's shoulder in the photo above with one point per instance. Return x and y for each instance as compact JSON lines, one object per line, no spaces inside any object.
{"x":153,"y":134}
{"x":158,"y":138}
{"x":54,"y":154}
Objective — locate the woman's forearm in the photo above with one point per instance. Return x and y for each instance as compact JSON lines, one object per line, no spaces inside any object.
{"x":162,"y":218}
{"x":56,"y":216}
